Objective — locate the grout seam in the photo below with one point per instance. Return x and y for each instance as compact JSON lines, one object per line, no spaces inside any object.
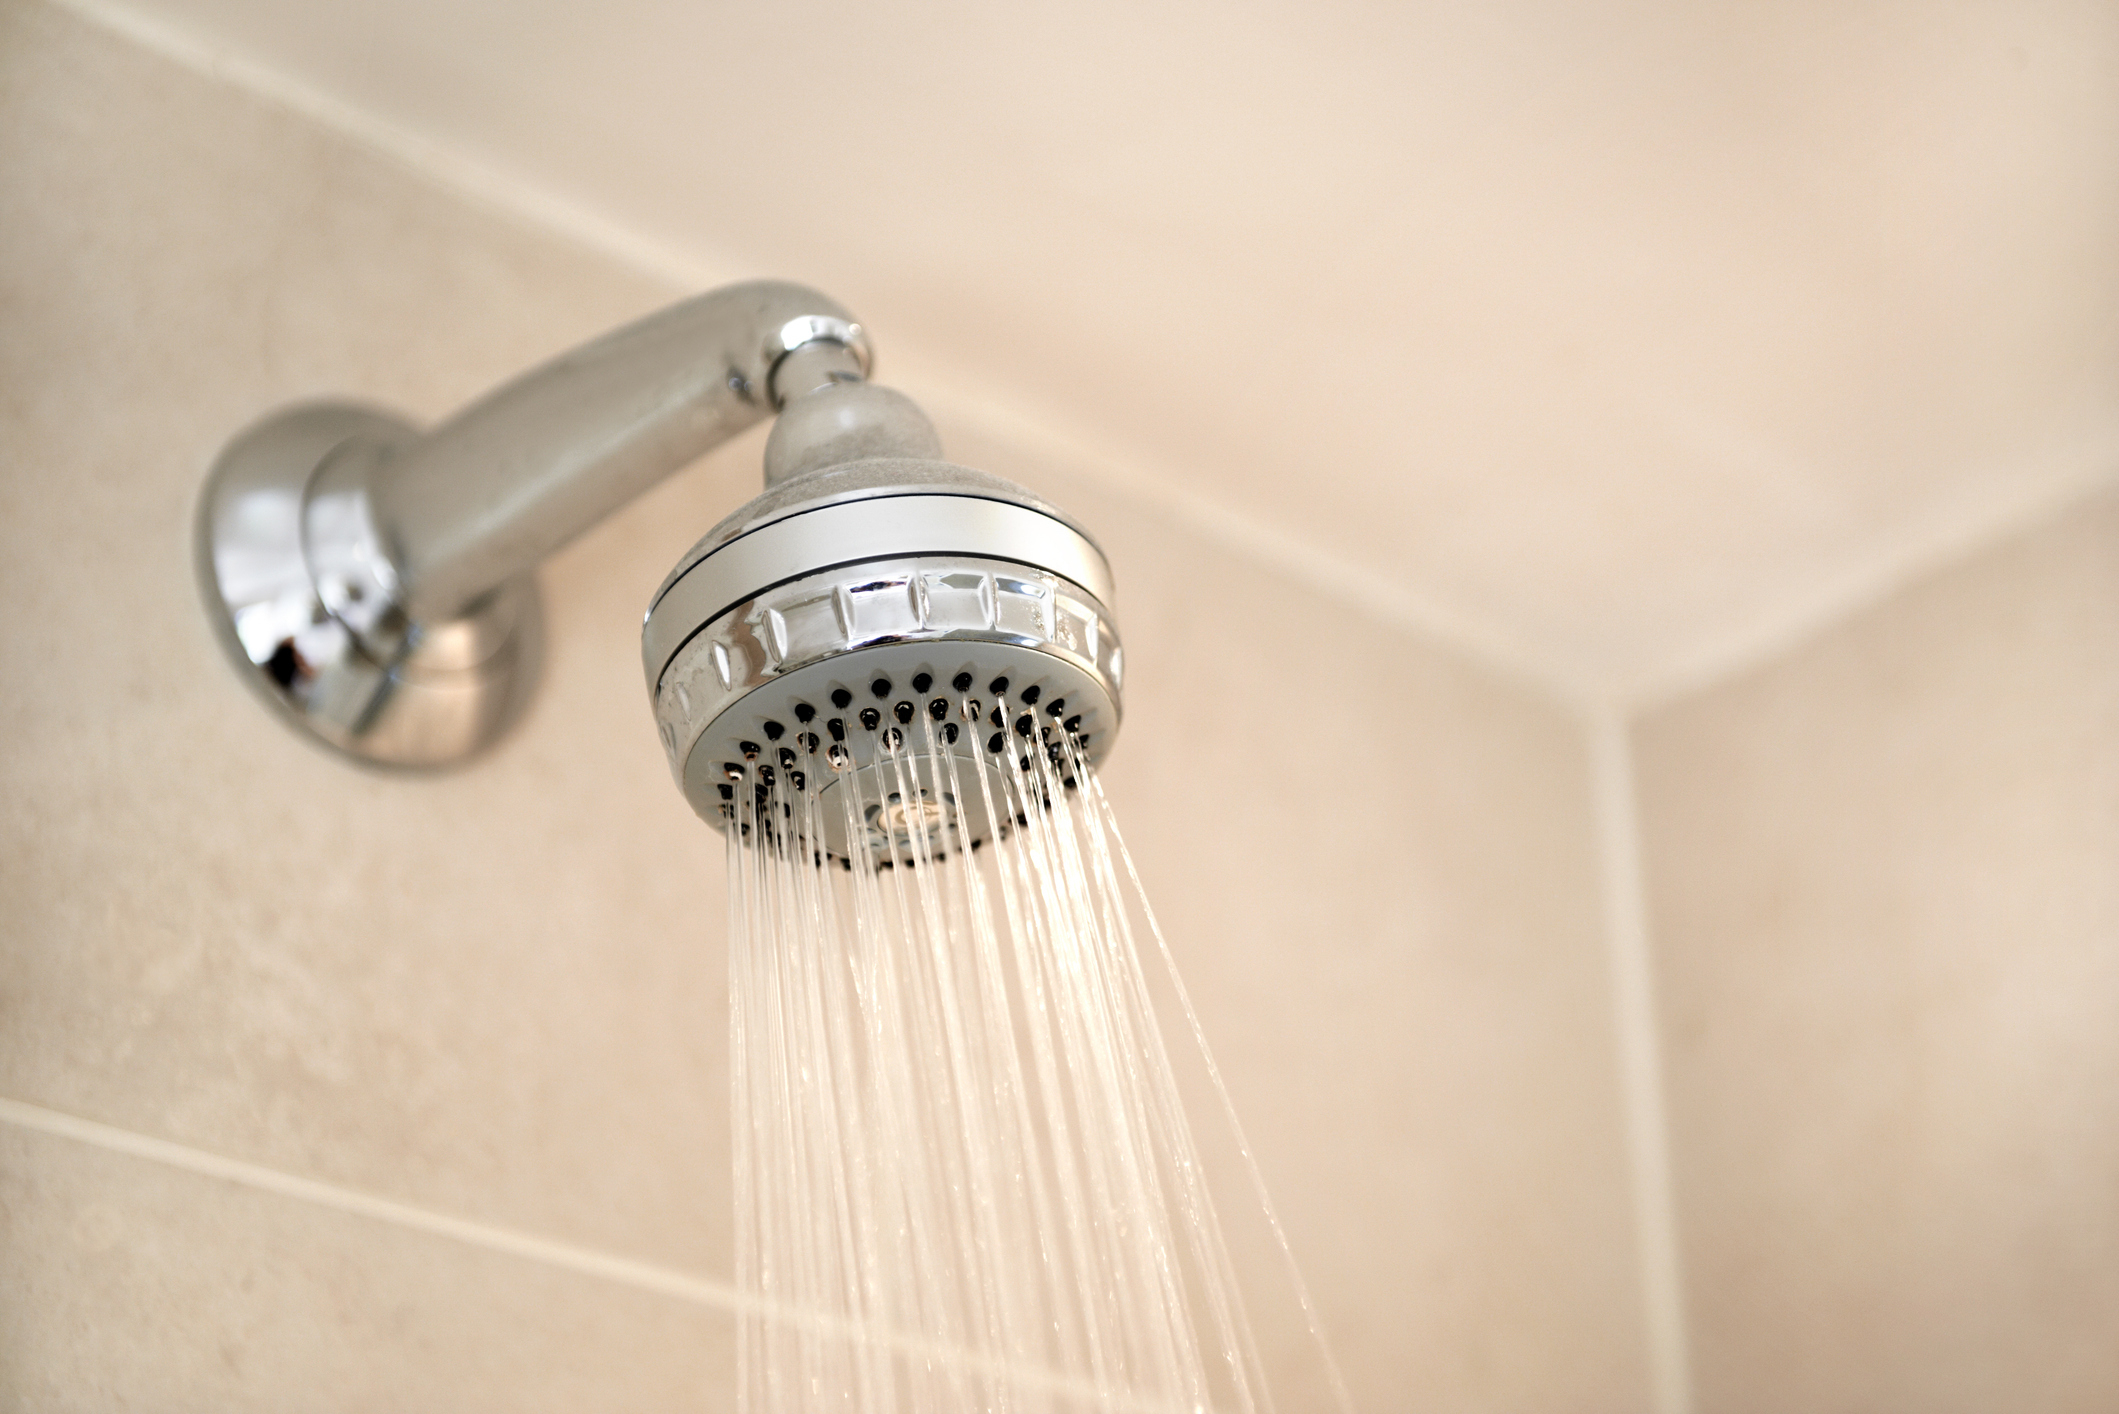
{"x":518,"y":203}
{"x":1922,"y":548}
{"x":1643,"y":1104}
{"x":584,"y":1261}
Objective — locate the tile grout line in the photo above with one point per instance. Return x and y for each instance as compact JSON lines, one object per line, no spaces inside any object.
{"x":1645,"y":1109}
{"x":583,"y":1261}
{"x":511,"y":199}
{"x":1915,"y":551}
{"x":624,"y":1271}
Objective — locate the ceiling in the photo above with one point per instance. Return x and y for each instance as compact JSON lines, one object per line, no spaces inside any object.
{"x":1622,"y":340}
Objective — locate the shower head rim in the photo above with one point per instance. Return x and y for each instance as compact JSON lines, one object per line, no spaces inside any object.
{"x":873,"y":478}
{"x":846,"y":534}
{"x":997,"y":619}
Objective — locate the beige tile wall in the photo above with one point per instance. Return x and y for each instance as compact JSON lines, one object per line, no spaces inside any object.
{"x":135,"y":1285}
{"x":1884,"y":876}
{"x":498,"y":995}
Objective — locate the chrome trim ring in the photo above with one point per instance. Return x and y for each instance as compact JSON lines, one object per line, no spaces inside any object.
{"x":752,"y":669}
{"x":856,"y":532}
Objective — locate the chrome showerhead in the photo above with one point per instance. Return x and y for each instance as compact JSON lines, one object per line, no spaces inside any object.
{"x":373,"y":581}
{"x":889,"y":604}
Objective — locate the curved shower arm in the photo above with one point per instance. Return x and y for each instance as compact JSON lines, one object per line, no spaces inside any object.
{"x":485,"y":496}
{"x":373,"y":581}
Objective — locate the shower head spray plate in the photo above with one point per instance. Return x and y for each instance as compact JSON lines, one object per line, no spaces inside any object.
{"x":826,"y":641}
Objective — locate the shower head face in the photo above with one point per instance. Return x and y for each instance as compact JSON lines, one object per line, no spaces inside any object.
{"x":880,"y":611}
{"x":856,"y":748}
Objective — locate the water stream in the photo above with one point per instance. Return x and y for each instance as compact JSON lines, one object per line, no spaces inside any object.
{"x":964,"y":1175}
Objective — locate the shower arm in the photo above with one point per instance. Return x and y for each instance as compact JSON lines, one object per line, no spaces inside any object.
{"x":488,"y":494}
{"x":373,"y":581}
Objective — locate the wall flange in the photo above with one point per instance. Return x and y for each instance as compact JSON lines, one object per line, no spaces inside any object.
{"x":310,"y":622}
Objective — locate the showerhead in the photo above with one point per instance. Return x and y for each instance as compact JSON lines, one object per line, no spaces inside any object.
{"x":889,"y":603}
{"x":373,"y":582}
